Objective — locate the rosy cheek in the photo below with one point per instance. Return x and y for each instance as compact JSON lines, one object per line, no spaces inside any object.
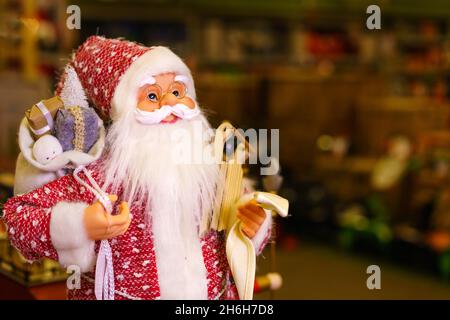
{"x":188,"y":102}
{"x":146,"y":105}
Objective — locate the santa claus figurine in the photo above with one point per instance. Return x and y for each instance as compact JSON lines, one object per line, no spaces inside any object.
{"x":153,"y":231}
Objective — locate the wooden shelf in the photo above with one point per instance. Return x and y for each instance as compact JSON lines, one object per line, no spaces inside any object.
{"x":12,"y":290}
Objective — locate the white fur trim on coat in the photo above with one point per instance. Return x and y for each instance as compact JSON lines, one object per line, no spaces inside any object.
{"x":156,"y":61}
{"x":182,"y":277}
{"x":69,"y":236}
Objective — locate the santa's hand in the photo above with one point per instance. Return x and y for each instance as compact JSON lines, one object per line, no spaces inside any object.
{"x":101,"y":225}
{"x":252,"y":217}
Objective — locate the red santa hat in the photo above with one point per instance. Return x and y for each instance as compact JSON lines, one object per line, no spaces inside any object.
{"x":112,"y":70}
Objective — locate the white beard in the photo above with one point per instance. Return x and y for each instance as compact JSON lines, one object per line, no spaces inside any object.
{"x":175,"y":195}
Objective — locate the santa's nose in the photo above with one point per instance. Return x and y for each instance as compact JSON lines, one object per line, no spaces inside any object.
{"x":168,"y":100}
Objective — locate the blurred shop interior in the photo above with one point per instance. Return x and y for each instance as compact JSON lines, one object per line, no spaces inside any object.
{"x":363,"y":118}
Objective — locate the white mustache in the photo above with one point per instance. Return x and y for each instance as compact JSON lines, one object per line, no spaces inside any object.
{"x":180,"y":110}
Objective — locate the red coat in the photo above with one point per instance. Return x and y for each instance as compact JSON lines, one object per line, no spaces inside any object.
{"x":28,"y":219}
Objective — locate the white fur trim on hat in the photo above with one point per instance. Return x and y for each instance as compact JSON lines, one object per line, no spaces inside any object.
{"x":68,"y":236}
{"x":156,"y":61}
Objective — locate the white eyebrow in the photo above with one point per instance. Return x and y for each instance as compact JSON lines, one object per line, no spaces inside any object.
{"x":147,"y":80}
{"x":181,"y":78}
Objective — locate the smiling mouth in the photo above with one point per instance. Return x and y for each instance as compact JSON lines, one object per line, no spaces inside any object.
{"x":175,"y":119}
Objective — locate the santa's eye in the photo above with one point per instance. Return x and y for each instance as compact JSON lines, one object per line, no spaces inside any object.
{"x":178,"y":89}
{"x":152,"y":97}
{"x":48,"y":158}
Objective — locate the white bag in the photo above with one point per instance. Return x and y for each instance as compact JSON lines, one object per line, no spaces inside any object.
{"x":31,"y":174}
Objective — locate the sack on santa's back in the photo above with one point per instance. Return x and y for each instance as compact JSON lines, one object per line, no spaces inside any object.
{"x":41,"y":116}
{"x":77,"y":128}
{"x":78,"y":139}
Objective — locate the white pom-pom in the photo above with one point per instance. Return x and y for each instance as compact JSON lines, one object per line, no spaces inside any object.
{"x":276,"y":281}
{"x":46,"y":148}
{"x":72,"y":93}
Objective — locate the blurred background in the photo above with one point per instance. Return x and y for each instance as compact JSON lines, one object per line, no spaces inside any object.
{"x":363,"y":118}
